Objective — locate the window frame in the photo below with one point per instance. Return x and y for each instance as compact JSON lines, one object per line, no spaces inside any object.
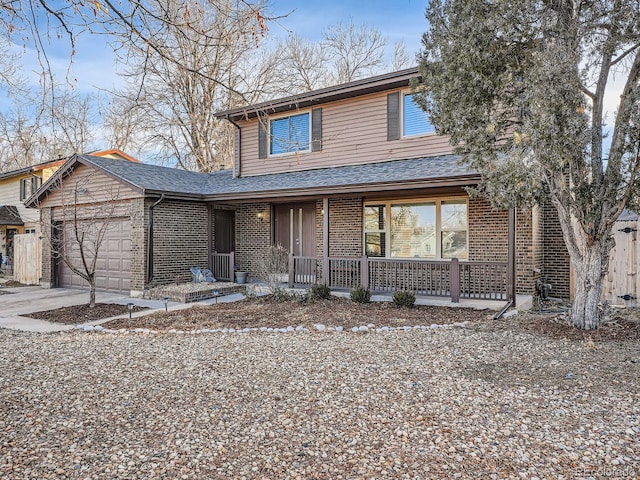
{"x":403,"y":94}
{"x":28,"y":186}
{"x":273,"y":118}
{"x":388,"y":203}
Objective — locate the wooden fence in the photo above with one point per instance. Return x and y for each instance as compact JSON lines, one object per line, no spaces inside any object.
{"x":27,"y":258}
{"x":620,"y":285}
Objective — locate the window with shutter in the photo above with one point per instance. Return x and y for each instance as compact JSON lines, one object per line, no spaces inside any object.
{"x":290,"y":134}
{"x":415,"y":121}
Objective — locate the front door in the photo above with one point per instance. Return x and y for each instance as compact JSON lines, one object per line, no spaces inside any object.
{"x":225,"y":231}
{"x":295,"y":228}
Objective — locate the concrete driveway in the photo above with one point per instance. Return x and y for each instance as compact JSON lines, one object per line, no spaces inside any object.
{"x":15,"y":302}
{"x":18,"y":301}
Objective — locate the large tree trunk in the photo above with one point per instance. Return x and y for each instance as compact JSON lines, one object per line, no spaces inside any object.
{"x":589,"y":272}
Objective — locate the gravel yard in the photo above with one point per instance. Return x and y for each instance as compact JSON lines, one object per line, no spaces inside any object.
{"x":487,"y":401}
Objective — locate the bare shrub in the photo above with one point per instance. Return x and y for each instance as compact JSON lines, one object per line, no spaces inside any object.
{"x":273,"y":267}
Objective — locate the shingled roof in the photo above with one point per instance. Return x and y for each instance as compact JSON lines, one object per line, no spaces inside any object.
{"x":9,"y":215}
{"x":424,"y":172}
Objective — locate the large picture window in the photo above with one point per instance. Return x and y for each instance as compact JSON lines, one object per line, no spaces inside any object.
{"x":289,"y":134}
{"x":430,"y":229}
{"x":415,"y":120}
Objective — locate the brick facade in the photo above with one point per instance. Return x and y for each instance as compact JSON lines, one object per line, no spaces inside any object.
{"x":182,"y":229}
{"x":253,"y":235}
{"x":180,"y":240}
{"x":489,"y":239}
{"x":345,"y":227}
{"x":46,"y":280}
{"x":556,"y":266}
{"x":139,"y":224}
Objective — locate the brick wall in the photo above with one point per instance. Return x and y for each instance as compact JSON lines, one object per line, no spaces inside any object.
{"x":139,"y":224}
{"x":46,"y":280}
{"x":489,"y":238}
{"x":556,"y":265}
{"x":345,"y":227}
{"x":253,"y":235}
{"x":525,"y":252}
{"x":180,"y":240}
{"x":488,"y":232}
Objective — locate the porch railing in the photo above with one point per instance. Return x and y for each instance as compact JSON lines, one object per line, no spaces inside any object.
{"x":223,"y":266}
{"x":455,"y":279}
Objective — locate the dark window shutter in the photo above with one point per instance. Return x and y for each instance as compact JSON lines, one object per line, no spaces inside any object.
{"x":23,"y":189}
{"x":393,"y":116}
{"x":35,"y":184}
{"x":262,"y":137}
{"x":316,"y":130}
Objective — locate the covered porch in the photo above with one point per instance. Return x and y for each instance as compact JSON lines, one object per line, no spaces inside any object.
{"x":452,"y":279}
{"x":399,"y":225}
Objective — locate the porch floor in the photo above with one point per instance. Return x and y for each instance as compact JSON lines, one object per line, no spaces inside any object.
{"x":523,"y":302}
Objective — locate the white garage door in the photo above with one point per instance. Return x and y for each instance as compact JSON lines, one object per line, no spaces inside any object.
{"x":114,"y":260}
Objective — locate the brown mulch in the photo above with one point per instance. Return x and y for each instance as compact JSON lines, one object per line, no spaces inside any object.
{"x":266,"y":313}
{"x":77,"y":314}
{"x":620,"y":325}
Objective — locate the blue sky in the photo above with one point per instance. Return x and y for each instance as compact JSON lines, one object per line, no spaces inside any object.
{"x":93,"y":63}
{"x":399,"y":21}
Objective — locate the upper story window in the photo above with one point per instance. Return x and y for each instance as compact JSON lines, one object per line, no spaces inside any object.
{"x":431,"y":229}
{"x":28,"y":186}
{"x":290,"y":134}
{"x":415,"y":121}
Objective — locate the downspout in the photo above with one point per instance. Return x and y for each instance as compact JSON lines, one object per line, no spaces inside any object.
{"x":150,"y":241}
{"x":236,"y":167}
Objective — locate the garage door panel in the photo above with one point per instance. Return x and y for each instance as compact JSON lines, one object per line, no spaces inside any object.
{"x":113,"y":264}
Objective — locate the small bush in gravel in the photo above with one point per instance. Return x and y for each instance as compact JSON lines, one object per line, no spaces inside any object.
{"x":319,"y":291}
{"x":404,"y":298}
{"x":361,"y":295}
{"x":282,"y":295}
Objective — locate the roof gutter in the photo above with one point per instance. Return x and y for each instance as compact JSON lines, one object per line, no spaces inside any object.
{"x":150,"y":241}
{"x":345,"y":189}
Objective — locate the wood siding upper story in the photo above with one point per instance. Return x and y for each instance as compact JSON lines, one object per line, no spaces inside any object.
{"x":354,"y":131}
{"x":94,"y":188}
{"x":10,"y":195}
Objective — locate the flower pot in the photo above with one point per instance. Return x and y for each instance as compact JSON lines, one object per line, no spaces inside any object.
{"x":241,"y":277}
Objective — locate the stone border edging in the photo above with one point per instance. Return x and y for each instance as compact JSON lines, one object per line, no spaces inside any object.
{"x":318,"y":327}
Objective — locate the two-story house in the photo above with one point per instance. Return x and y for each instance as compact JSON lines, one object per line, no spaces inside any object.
{"x":352,"y":180}
{"x":15,"y":187}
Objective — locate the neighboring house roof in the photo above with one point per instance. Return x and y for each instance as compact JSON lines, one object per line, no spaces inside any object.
{"x":113,"y":152}
{"x":443,"y":170}
{"x":387,"y":81}
{"x":9,"y":215}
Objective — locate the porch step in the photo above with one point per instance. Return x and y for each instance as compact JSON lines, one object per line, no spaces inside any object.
{"x":193,"y":292}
